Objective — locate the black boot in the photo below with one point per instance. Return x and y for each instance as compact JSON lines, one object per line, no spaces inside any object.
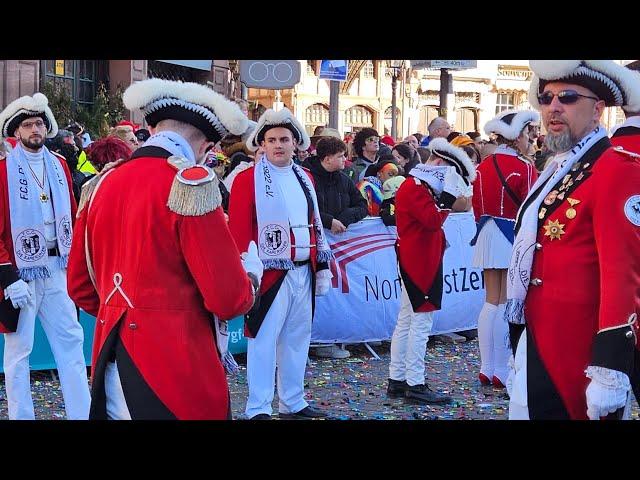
{"x":396,"y":388}
{"x":422,"y":394}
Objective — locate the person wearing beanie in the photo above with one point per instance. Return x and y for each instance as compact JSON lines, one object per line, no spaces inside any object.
{"x":573,"y":284}
{"x":504,"y":180}
{"x":38,"y":212}
{"x":153,"y":260}
{"x":423,"y":203}
{"x":274,"y":204}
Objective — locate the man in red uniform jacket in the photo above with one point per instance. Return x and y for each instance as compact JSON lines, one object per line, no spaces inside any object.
{"x":423,"y":203}
{"x":153,"y":260}
{"x":574,"y":277}
{"x":275,"y":205}
{"x":36,"y":221}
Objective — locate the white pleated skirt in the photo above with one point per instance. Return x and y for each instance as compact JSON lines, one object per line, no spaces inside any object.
{"x":492,"y":249}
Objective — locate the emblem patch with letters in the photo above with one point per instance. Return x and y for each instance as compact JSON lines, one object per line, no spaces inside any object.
{"x":632,"y":210}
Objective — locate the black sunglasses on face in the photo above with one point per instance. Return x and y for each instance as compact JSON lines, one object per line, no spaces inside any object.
{"x":565,"y":97}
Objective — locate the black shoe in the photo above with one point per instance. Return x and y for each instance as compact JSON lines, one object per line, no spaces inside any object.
{"x":469,"y":334}
{"x":422,"y":394}
{"x":396,"y":388}
{"x":306,"y":413}
{"x":260,"y":416}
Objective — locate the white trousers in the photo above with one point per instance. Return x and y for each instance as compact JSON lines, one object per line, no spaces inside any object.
{"x":282,"y":342}
{"x":58,"y":316}
{"x":409,"y":343}
{"x":116,"y":404}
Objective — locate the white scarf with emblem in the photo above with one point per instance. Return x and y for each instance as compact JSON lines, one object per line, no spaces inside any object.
{"x":519,"y":273}
{"x":27,"y":222}
{"x":274,"y":240}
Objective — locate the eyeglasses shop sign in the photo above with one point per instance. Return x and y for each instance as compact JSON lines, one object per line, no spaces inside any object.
{"x":272,"y":74}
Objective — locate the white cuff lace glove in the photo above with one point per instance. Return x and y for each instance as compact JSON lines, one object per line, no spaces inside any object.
{"x":19,"y":294}
{"x":323,"y":282}
{"x":251,"y":261}
{"x":452,"y":181}
{"x":607,"y":391}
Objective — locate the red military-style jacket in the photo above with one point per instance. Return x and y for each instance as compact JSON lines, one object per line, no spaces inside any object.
{"x":584,"y":296}
{"x":8,"y":269}
{"x":421,"y":242}
{"x":627,"y":137}
{"x":243,"y":223}
{"x":159,"y":276}
{"x":489,"y":195}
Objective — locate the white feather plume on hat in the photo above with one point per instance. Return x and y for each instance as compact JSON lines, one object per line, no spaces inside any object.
{"x":284,"y":118}
{"x":510,"y":123}
{"x":143,"y":94}
{"x":456,"y":155}
{"x":27,"y":107}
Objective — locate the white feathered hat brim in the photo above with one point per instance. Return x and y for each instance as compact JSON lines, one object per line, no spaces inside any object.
{"x":191,"y":103}
{"x":610,"y":81}
{"x":455,"y":155}
{"x":272,"y":119}
{"x":27,"y":107}
{"x":510,"y":123}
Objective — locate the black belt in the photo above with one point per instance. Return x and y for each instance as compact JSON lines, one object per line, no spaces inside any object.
{"x":54,"y":252}
{"x":301,"y":263}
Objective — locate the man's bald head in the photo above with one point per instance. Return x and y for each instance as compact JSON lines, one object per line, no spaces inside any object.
{"x":439,"y":127}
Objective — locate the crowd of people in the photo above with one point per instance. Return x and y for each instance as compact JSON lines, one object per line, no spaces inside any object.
{"x":164,"y":233}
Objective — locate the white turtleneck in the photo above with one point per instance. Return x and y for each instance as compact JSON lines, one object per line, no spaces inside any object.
{"x":36,"y":164}
{"x":296,"y":203}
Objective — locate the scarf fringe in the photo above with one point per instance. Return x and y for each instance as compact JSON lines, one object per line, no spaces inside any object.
{"x":230,"y":364}
{"x":278,"y":264}
{"x":31,"y":273}
{"x":324,"y":256}
{"x":194,"y":200}
{"x":63,"y":262}
{"x":514,"y":311}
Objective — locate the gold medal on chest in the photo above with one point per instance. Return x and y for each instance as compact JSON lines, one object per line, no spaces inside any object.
{"x":542,"y":213}
{"x":554,"y":229}
{"x":571,"y":212}
{"x":551,"y":197}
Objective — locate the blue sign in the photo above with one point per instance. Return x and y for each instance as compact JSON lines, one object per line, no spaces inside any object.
{"x":333,"y":70}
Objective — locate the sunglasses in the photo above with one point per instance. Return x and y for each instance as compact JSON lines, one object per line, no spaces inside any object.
{"x":373,"y":139}
{"x":565,"y":97}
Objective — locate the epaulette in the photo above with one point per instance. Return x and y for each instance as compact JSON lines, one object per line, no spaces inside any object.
{"x":632,"y":155}
{"x":86,"y":192}
{"x":194,"y":190}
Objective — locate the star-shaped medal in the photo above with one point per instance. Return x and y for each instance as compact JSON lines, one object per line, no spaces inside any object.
{"x":554,"y":229}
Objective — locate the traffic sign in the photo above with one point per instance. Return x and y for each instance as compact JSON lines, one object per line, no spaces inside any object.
{"x":333,"y":70}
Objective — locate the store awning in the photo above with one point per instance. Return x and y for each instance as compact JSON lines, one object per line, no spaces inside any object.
{"x":196,"y":64}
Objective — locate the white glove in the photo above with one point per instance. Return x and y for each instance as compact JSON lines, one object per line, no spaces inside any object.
{"x":19,"y":294}
{"x":451,"y":182}
{"x":323,"y":282}
{"x":251,"y":261}
{"x":607,"y":391}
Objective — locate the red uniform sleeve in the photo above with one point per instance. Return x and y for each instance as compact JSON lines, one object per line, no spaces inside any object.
{"x":214,"y":261}
{"x":242,"y":210}
{"x":421,"y":206}
{"x":476,"y":199}
{"x":618,"y":241}
{"x":79,"y":285}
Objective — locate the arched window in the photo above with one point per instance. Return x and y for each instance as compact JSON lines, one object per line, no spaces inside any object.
{"x":357,"y":118}
{"x":314,"y":116}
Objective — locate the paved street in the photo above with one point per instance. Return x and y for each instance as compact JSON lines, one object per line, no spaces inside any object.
{"x":353,"y":388}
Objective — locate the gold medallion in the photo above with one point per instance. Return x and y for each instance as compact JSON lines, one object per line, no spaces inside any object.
{"x":542,"y":213}
{"x":572,"y":201}
{"x":554,"y":229}
{"x":571,"y":213}
{"x":551,"y":197}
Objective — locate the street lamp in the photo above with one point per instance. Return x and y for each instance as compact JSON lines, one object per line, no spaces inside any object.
{"x":396,"y":67}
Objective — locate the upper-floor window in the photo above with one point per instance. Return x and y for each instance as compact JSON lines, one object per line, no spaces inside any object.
{"x":505,"y":101}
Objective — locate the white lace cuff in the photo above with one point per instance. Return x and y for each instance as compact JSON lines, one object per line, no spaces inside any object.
{"x":609,"y":378}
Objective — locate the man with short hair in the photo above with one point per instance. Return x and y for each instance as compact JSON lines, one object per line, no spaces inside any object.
{"x":438,"y":128}
{"x":154,"y":261}
{"x":38,"y":211}
{"x":274,"y":204}
{"x":366,"y":144}
{"x":574,"y":279}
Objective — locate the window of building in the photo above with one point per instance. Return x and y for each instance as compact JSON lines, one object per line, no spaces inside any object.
{"x":427,"y":113}
{"x":80,"y":77}
{"x":466,"y":120}
{"x":368,"y":70}
{"x":505,"y":101}
{"x":387,"y":121}
{"x":314,"y":116}
{"x":358,"y":117}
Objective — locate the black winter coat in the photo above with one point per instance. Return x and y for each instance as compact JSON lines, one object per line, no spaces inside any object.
{"x":337,"y":196}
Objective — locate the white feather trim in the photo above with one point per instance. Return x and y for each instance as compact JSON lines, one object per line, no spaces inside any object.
{"x":38,"y":103}
{"x":511,"y":132}
{"x":142,"y":93}
{"x":441,"y":145}
{"x":533,"y":92}
{"x":271,"y":117}
{"x":552,"y":69}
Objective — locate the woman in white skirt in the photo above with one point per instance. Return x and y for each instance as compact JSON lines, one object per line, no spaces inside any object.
{"x":503,"y":182}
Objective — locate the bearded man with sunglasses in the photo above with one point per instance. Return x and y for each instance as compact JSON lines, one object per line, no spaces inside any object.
{"x":573,"y":284}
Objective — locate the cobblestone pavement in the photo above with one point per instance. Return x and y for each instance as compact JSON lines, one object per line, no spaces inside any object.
{"x":352,"y":388}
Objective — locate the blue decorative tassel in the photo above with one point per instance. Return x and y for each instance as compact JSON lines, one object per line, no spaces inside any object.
{"x":514,"y":311}
{"x":229,"y":363}
{"x":63,"y":261}
{"x":278,"y":264}
{"x":324,"y":256}
{"x":31,"y":273}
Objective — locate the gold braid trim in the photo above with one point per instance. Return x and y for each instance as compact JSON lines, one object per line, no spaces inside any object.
{"x":194,"y":200}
